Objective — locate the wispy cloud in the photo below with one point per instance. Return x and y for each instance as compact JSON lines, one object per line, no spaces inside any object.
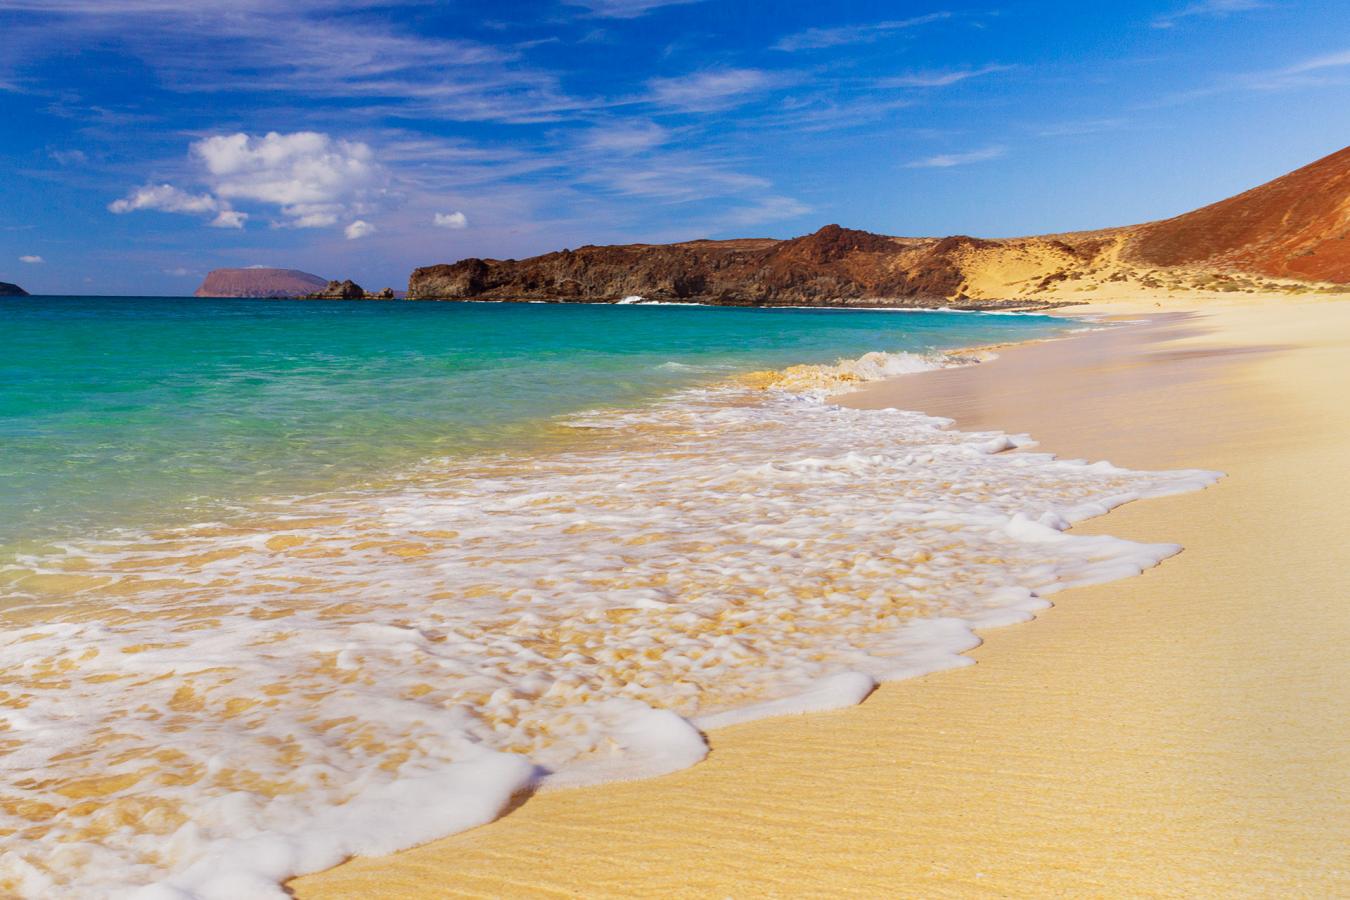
{"x":1085,"y":126}
{"x":767,"y":209}
{"x":349,"y":53}
{"x":711,"y":89}
{"x":69,"y":157}
{"x":626,"y":137}
{"x":948,"y":160}
{"x":1314,"y":72}
{"x":943,"y":78}
{"x":1317,"y":63}
{"x":625,"y":9}
{"x":822,"y":38}
{"x":32,"y":260}
{"x":1206,"y":9}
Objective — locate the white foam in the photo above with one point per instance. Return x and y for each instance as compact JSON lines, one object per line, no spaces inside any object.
{"x":231,"y":704}
{"x":826,"y":693}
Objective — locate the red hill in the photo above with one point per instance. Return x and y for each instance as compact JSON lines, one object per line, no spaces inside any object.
{"x":1293,"y":227}
{"x":260,"y":283}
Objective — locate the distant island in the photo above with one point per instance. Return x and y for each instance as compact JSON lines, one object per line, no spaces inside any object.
{"x":284,"y":284}
{"x":260,"y":282}
{"x":1279,"y":236}
{"x":11,"y":290}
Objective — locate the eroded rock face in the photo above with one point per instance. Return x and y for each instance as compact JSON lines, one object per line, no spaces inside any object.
{"x":259,"y":283}
{"x":1297,"y":227}
{"x":11,"y":290}
{"x":832,"y":265}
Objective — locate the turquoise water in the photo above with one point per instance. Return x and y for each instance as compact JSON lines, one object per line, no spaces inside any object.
{"x":146,"y":411}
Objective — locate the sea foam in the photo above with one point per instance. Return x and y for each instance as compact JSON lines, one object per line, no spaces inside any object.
{"x":206,"y":711}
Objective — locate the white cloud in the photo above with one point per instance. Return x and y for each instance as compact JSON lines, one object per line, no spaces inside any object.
{"x":625,"y":9}
{"x":947,"y":160}
{"x":358,"y":229}
{"x":821,"y":38}
{"x":455,"y":220}
{"x":180,"y":272}
{"x":166,"y":198}
{"x":32,"y":260}
{"x":229,"y":218}
{"x":939,"y":79}
{"x":625,"y":137}
{"x":712,"y":89}
{"x":1206,"y":8}
{"x":313,"y":178}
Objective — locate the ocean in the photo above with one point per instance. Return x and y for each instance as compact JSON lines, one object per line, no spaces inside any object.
{"x":285,"y":582}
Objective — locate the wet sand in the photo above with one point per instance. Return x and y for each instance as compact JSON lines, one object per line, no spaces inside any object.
{"x":1182,"y":733}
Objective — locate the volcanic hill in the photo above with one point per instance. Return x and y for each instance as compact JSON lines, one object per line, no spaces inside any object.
{"x":11,"y":290}
{"x":259,"y":282}
{"x":1277,"y":236}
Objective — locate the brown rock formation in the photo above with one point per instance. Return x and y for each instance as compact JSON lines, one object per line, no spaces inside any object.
{"x":350,"y":290}
{"x":11,"y":290}
{"x":1294,"y":227}
{"x":339,"y":290}
{"x":830,"y":266}
{"x":259,"y":283}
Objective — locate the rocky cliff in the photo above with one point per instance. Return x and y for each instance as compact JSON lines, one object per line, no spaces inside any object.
{"x":11,"y":290}
{"x":259,"y":283}
{"x":1293,"y":228}
{"x":833,"y":265}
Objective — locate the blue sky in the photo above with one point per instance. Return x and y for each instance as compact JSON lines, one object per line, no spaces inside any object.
{"x":145,"y":142}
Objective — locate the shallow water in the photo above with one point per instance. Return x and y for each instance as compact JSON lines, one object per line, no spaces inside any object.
{"x":133,"y":411}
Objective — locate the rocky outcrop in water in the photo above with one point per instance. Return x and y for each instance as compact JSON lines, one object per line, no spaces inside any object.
{"x":339,"y":290}
{"x":11,"y":290}
{"x":259,"y":283}
{"x":350,"y":290}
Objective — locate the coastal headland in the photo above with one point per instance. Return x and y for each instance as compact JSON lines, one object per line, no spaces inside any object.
{"x":1287,"y":236}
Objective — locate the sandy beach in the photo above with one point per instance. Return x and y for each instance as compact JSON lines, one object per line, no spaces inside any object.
{"x":1181,"y":733}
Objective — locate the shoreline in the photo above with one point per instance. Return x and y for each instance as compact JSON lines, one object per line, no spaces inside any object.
{"x":256,"y":564}
{"x":550,"y":830}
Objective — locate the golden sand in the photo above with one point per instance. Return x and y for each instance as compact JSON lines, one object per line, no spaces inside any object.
{"x":1183,"y":733}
